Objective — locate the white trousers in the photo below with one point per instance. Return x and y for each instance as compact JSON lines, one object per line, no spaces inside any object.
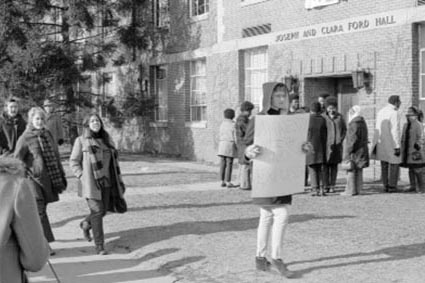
{"x":274,"y":219}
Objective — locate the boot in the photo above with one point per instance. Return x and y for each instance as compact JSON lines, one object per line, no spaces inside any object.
{"x":282,"y":268}
{"x":100,"y":250}
{"x":262,"y":264}
{"x":322,"y":192}
{"x":85,"y":226}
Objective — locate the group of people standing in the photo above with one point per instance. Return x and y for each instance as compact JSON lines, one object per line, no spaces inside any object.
{"x":30,"y":150}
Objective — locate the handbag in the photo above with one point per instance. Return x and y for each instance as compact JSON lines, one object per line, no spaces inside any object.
{"x":347,"y":165}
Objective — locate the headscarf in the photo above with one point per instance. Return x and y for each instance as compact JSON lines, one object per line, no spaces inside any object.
{"x":354,"y":112}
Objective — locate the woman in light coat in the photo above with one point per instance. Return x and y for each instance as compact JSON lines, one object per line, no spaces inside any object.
{"x":413,"y":150}
{"x":356,"y":150}
{"x":94,"y":162}
{"x":22,"y":243}
{"x":227,"y":147}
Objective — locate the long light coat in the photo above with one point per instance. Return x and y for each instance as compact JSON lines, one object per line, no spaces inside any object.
{"x":387,"y":135}
{"x":22,"y":242}
{"x":227,"y":139}
{"x":81,"y":166}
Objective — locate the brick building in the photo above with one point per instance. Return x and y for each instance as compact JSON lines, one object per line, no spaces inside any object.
{"x":220,"y":52}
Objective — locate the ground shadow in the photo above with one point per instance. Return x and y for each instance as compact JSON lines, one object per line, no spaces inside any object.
{"x":393,"y":253}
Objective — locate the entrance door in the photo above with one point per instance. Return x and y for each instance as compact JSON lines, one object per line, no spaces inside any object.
{"x":347,"y":96}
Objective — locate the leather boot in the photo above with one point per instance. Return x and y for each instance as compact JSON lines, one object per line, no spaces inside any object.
{"x":262,"y":264}
{"x":100,"y":250}
{"x":282,"y":268}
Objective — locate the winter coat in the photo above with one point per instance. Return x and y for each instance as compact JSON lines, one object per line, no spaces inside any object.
{"x":355,"y":147}
{"x":387,"y":135}
{"x":32,"y":156}
{"x":23,"y":246}
{"x":227,"y":139}
{"x":54,"y":125}
{"x":317,"y":136}
{"x":336,"y":131}
{"x":415,"y":135}
{"x":80,"y":164}
{"x":249,"y":140}
{"x":240,"y":126}
{"x":10,"y":131}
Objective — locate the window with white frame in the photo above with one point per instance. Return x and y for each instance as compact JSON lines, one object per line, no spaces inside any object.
{"x":161,"y":12}
{"x":161,"y":94}
{"x":255,"y":74}
{"x":199,"y":7}
{"x":198,"y":91}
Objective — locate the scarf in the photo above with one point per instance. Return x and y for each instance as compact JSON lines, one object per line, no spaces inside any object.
{"x":50,"y":158}
{"x":96,"y":162}
{"x":354,"y":112}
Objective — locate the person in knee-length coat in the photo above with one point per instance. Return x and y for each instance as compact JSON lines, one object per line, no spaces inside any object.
{"x":12,"y":125}
{"x":317,"y":136}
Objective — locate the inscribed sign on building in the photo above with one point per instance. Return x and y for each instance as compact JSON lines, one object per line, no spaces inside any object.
{"x":279,"y":169}
{"x":311,"y":4}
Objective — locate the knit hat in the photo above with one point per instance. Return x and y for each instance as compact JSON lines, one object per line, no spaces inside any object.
{"x":412,"y":111}
{"x":393,"y":99}
{"x":331,"y":101}
{"x":315,"y":107}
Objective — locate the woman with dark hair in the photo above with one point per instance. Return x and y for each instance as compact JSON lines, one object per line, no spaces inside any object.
{"x":38,"y":150}
{"x":94,"y":162}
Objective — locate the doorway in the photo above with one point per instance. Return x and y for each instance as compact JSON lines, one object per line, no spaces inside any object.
{"x":347,"y":96}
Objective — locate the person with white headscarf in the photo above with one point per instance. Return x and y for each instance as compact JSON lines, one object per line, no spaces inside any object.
{"x":356,"y":150}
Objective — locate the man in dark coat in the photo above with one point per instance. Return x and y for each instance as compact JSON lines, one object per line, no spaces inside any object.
{"x":12,"y":125}
{"x":317,"y":135}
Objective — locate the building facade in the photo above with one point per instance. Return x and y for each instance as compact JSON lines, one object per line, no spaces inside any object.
{"x":221,"y":52}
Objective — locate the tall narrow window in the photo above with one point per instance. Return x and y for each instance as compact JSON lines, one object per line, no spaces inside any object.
{"x":422,"y":74}
{"x":161,"y":94}
{"x":200,"y":7}
{"x":255,"y":68}
{"x":198,"y":91}
{"x":161,"y":12}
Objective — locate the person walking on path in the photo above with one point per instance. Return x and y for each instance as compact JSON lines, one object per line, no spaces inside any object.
{"x":241,"y":125}
{"x":40,"y":154}
{"x":12,"y":125}
{"x":317,"y":136}
{"x":227,"y":147}
{"x":274,"y":213}
{"x":386,"y":142}
{"x":22,"y":243}
{"x":336,"y":131}
{"x":53,"y":122}
{"x":94,"y":161}
{"x":356,"y":150}
{"x":413,"y":151}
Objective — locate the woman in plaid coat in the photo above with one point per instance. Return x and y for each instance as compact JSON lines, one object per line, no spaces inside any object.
{"x":40,"y":154}
{"x":94,"y":162}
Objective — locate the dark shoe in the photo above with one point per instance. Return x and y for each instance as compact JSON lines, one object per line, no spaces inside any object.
{"x":326,"y":190}
{"x":245,"y":189}
{"x":262,"y":264}
{"x":85,"y":226}
{"x":282,"y":268}
{"x":322,"y":193}
{"x":230,"y":185}
{"x":392,"y":189}
{"x":223,"y":184}
{"x":51,"y":251}
{"x":100,"y":250}
{"x":410,"y":190}
{"x":315,"y":193}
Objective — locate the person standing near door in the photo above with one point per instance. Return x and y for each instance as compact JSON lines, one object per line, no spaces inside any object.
{"x":386,"y":142}
{"x":336,"y":131}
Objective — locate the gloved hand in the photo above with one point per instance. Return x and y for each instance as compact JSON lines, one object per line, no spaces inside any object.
{"x":416,"y":146}
{"x":60,"y":142}
{"x":252,"y":151}
{"x":397,"y":152}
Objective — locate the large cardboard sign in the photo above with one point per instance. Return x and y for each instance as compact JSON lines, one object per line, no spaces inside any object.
{"x":279,"y":169}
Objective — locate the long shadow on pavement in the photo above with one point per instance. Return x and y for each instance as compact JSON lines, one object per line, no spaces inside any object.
{"x":393,"y":253}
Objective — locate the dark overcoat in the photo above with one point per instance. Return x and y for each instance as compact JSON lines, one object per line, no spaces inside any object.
{"x":337,"y":130}
{"x":10,"y":131}
{"x":317,"y":136}
{"x":241,"y":126}
{"x":356,"y":142}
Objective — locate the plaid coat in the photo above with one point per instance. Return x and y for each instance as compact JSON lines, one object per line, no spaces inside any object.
{"x":81,"y":166}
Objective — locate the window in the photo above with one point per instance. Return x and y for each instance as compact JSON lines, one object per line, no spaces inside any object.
{"x":161,"y":94}
{"x":160,"y":11}
{"x":199,"y":7}
{"x":422,"y":74}
{"x":198,"y":91}
{"x":255,"y":74}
